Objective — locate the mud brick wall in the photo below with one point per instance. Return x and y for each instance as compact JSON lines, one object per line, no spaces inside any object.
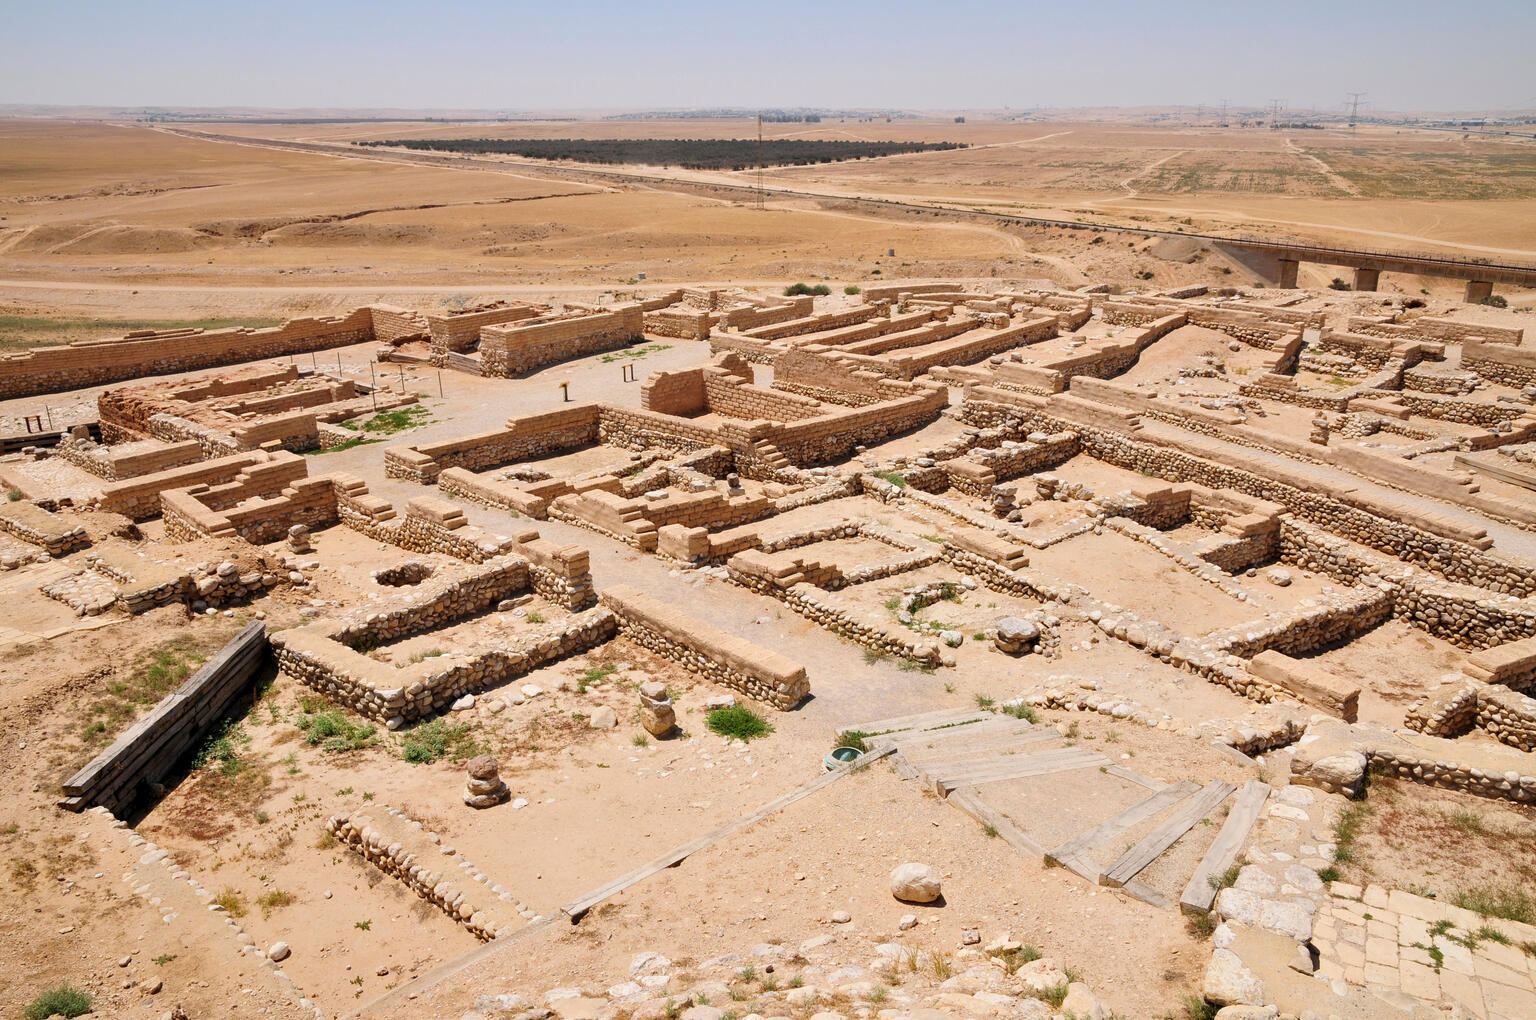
{"x":507,"y":351}
{"x":458,"y":333}
{"x":258,"y":519}
{"x":392,"y":325}
{"x":1513,"y":366}
{"x":834,"y":435}
{"x":971,"y":347}
{"x":760,"y":674}
{"x":523,"y":438}
{"x":735,"y":396}
{"x":891,"y":291}
{"x":920,"y":336}
{"x":747,"y":317}
{"x":679,"y":393}
{"x":1453,"y":559}
{"x":814,"y":323}
{"x":682,"y":323}
{"x":139,"y":498}
{"x":818,"y":372}
{"x":93,"y":362}
{"x":1368,"y":351}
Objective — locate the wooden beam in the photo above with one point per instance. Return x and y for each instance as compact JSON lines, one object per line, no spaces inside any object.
{"x":1023,"y":766}
{"x":1117,"y":823}
{"x":1200,"y":893}
{"x":1193,"y":808}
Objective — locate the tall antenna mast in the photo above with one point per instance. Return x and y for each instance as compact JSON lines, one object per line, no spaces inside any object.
{"x":1354,"y":110}
{"x":759,"y":160}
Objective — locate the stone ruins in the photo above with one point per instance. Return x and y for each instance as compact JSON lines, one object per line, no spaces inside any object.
{"x":1194,"y":514}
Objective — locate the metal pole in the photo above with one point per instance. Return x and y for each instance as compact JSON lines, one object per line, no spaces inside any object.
{"x":50,"y":417}
{"x":338,"y":364}
{"x":372,"y":382}
{"x":439,"y":382}
{"x":402,"y":380}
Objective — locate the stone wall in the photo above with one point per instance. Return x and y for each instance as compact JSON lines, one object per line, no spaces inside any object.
{"x":400,"y":849}
{"x":513,"y":350}
{"x":762,"y":675}
{"x":1455,"y":559}
{"x":1513,"y":366}
{"x":526,"y":437}
{"x":94,"y":362}
{"x":457,"y":332}
{"x":379,"y":690}
{"x":36,"y":526}
{"x":1427,"y":327}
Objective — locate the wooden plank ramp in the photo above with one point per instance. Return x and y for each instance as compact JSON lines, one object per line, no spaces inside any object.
{"x":579,"y":906}
{"x":1073,"y":853}
{"x":1189,"y":811}
{"x":1200,"y":893}
{"x":922,"y":721}
{"x":1022,"y":766}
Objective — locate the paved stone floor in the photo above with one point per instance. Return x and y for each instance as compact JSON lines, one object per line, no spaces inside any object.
{"x":1390,"y":940}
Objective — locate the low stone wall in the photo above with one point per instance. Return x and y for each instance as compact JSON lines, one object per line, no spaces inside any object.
{"x":1508,"y":716}
{"x":402,"y":850}
{"x":1335,"y":756}
{"x":36,"y":526}
{"x":1447,"y":711}
{"x":165,"y":352}
{"x":315,"y":657}
{"x":457,"y":332}
{"x":139,"y":498}
{"x":513,"y":350}
{"x":112,"y":463}
{"x":1513,"y":366}
{"x":762,"y":675}
{"x":1512,"y":664}
{"x":1457,"y":560}
{"x":1329,"y":619}
{"x":525,"y":437}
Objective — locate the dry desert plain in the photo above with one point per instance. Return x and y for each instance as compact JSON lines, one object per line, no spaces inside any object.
{"x":107,"y":227}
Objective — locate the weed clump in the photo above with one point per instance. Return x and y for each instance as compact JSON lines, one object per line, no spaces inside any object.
{"x":739,"y":722}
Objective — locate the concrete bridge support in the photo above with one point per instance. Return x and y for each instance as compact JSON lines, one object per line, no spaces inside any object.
{"x":1367,"y":279}
{"x":1286,"y":277}
{"x":1477,"y":290}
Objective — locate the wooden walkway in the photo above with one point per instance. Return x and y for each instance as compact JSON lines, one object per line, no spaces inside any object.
{"x":958,"y":753}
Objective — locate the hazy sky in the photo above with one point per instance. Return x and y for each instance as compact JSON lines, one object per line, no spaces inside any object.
{"x":572,"y":54}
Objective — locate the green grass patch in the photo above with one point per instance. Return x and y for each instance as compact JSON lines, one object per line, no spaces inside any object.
{"x":857,"y":739}
{"x":798,"y":289}
{"x":330,"y":728}
{"x":347,"y":445}
{"x":432,"y":741}
{"x":738,"y":722}
{"x":60,"y":1000}
{"x":1512,"y":903}
{"x":1347,"y":829}
{"x":893,"y":477}
{"x":389,"y":422}
{"x":634,"y":353}
{"x":153,"y":675}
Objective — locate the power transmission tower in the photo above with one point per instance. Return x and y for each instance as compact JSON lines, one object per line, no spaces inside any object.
{"x":1223,"y":114}
{"x":1354,"y":110}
